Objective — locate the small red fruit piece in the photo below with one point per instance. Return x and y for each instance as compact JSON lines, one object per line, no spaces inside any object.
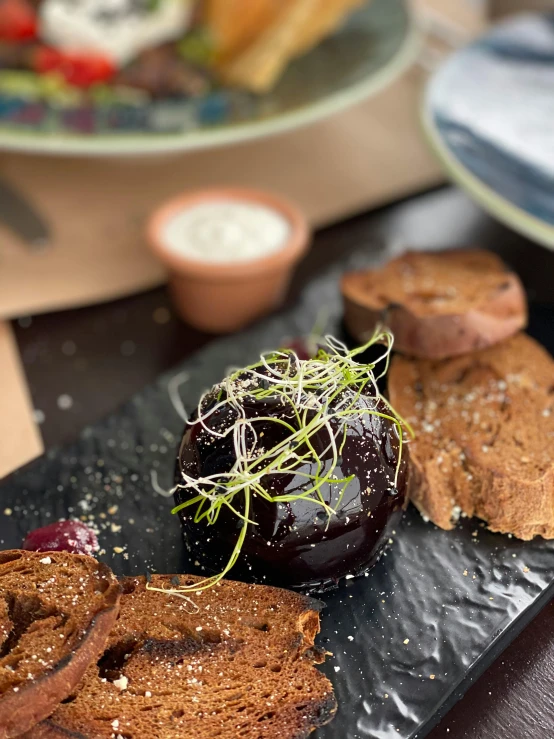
{"x":80,"y":70}
{"x":62,"y":536}
{"x":300,"y":348}
{"x":18,"y":21}
{"x":304,"y":347}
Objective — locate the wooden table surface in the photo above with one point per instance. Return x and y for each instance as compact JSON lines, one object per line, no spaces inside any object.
{"x":100,"y":356}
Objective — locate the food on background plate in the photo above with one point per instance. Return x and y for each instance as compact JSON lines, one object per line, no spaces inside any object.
{"x":166,"y":48}
{"x":62,"y":536}
{"x":286,"y":30}
{"x":294,"y":466}
{"x":234,"y":661}
{"x":56,"y":612}
{"x":484,"y":435}
{"x":437,"y":304}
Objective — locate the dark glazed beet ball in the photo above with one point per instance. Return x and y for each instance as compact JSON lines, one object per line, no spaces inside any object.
{"x":352,"y":457}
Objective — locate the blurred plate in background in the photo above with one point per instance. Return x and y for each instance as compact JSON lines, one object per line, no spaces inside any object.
{"x":374,"y":47}
{"x":489,"y":114}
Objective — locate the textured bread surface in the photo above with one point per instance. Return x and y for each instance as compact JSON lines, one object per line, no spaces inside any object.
{"x":437,"y":304}
{"x":235,"y":661}
{"x":484,"y":426}
{"x":56,"y":613}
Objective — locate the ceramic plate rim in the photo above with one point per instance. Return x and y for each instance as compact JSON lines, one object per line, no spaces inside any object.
{"x":484,"y":195}
{"x":123,"y":146}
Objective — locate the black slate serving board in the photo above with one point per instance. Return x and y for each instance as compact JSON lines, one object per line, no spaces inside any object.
{"x":407,"y":639}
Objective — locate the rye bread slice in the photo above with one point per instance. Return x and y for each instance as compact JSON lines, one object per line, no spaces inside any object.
{"x":56,"y":613}
{"x":484,"y":426}
{"x":437,"y":305}
{"x":233,"y":662}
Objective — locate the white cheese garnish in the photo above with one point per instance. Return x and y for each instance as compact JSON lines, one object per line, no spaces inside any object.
{"x":119,"y":29}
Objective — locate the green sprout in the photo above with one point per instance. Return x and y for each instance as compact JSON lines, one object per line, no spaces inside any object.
{"x":314,"y":393}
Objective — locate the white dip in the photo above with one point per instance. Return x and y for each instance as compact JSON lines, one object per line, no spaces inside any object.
{"x":119,"y":29}
{"x":226,"y":231}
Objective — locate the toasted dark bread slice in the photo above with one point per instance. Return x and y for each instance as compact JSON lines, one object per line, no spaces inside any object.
{"x":484,"y":426}
{"x":437,"y":305}
{"x":56,"y":613}
{"x":233,"y":662}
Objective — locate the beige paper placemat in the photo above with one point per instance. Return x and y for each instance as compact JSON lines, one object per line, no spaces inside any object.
{"x":20,"y":439}
{"x":97,"y":209}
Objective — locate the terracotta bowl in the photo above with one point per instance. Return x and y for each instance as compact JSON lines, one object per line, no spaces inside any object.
{"x":224,"y":297}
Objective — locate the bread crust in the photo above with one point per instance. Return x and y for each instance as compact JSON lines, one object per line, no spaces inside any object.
{"x":240,"y":629}
{"x":483,"y":441}
{"x":21,"y":710}
{"x":430,"y":329}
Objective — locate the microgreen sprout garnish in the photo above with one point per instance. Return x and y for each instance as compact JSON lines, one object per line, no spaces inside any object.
{"x":173,"y":387}
{"x":320,"y":397}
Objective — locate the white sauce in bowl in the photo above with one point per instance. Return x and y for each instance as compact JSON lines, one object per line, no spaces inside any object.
{"x":226,"y":231}
{"x":119,"y":29}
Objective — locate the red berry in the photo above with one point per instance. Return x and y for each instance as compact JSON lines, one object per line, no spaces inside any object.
{"x":18,"y":21}
{"x":62,"y":536}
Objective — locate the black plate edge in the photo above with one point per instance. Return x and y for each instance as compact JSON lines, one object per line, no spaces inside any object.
{"x":508,"y":635}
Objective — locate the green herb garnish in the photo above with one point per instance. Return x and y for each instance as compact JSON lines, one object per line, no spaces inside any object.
{"x":313,"y":392}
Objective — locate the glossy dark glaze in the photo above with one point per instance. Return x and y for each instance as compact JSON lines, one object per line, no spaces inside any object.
{"x":295,"y":544}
